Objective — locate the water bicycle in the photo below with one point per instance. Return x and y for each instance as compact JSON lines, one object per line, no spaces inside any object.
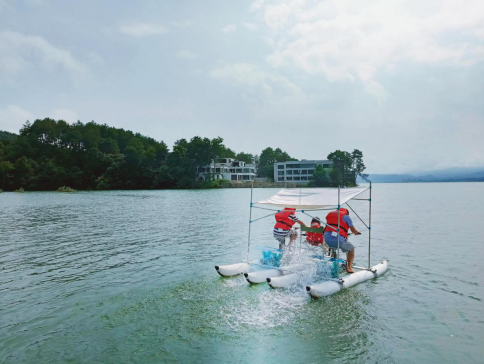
{"x":284,"y":268}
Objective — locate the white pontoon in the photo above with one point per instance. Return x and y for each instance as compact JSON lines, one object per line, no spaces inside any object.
{"x":287,"y":272}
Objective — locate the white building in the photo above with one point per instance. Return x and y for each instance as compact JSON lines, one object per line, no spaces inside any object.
{"x":228,"y":168}
{"x":298,"y":171}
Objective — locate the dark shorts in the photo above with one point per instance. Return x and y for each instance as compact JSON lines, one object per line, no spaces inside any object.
{"x":343,"y":244}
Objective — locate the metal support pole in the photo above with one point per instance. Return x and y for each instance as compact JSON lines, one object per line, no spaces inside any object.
{"x":250,"y":219}
{"x":300,"y":241}
{"x":339,"y":215}
{"x":369,"y":234}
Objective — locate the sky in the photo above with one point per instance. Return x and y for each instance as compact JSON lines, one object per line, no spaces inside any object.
{"x":402,"y":81}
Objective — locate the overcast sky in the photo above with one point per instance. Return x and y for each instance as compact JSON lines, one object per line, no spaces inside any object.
{"x":403,"y":81}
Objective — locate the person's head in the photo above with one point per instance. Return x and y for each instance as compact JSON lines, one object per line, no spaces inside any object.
{"x":316,"y":222}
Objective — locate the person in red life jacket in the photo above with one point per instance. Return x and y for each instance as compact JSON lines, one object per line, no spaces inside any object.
{"x":331,"y":235}
{"x":285,"y":220}
{"x":315,"y":238}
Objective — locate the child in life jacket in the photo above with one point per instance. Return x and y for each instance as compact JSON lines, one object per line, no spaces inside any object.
{"x":284,"y":226}
{"x":315,"y":239}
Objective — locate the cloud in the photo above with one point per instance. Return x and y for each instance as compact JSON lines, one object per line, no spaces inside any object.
{"x":251,"y":75}
{"x":19,"y":52}
{"x":186,"y":54}
{"x":229,"y":28}
{"x":355,"y":41}
{"x":250,"y":26}
{"x":256,"y":5}
{"x":64,"y":114}
{"x":143,"y":30}
{"x":13,"y":117}
{"x":183,"y":24}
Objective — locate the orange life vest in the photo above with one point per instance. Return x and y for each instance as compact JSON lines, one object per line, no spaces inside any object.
{"x":314,"y":238}
{"x":332,"y":220}
{"x":282,"y":219}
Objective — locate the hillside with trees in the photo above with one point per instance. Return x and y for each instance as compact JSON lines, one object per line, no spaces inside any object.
{"x":48,"y":154}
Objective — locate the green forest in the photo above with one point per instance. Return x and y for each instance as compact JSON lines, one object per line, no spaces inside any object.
{"x":48,"y":154}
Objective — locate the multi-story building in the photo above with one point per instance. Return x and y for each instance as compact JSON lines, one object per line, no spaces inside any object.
{"x":298,"y":171}
{"x":228,"y":168}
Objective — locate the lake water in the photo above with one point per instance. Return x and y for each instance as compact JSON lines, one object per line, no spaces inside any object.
{"x":128,"y":277}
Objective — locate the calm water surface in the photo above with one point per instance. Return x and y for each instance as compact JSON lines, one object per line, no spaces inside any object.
{"x":128,"y":277}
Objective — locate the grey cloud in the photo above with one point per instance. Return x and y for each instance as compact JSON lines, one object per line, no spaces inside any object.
{"x":143,"y":30}
{"x":19,"y":51}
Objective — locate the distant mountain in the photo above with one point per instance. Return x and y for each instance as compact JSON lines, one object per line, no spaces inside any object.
{"x":386,"y":178}
{"x":462,"y":172}
{"x":447,"y":175}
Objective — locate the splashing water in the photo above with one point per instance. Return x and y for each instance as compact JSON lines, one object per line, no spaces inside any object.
{"x":269,"y":308}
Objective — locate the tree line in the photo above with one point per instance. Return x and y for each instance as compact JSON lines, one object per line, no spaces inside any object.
{"x":47,"y":154}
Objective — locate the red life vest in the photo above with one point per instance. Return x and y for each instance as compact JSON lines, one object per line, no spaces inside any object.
{"x":282,"y":219}
{"x":314,"y":238}
{"x":332,"y":220}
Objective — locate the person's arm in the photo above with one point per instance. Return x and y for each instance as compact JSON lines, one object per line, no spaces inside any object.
{"x":348,"y":220}
{"x":294,"y":218}
{"x":354,"y":231}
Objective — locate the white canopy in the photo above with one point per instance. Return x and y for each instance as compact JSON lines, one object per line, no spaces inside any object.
{"x":311,"y":198}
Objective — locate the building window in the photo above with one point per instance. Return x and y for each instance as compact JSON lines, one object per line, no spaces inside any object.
{"x":217,"y":170}
{"x":288,"y":178}
{"x":239,"y":170}
{"x":297,"y":178}
{"x":325,"y":165}
{"x":293,"y":166}
{"x":281,"y":179}
{"x":289,"y":172}
{"x":304,"y":171}
{"x":280,"y":166}
{"x":297,"y":171}
{"x":304,"y":178}
{"x":246,"y":170}
{"x":280,"y":173}
{"x":311,"y":172}
{"x":307,"y":165}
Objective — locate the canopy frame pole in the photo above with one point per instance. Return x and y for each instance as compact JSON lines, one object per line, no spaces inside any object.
{"x":364,"y":223}
{"x":324,"y":225}
{"x":250,"y":218}
{"x":300,"y":242}
{"x":339,"y":215}
{"x":263,"y":217}
{"x":369,"y":233}
{"x":300,"y":235}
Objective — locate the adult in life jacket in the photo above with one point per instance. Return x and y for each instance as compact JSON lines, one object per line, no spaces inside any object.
{"x":331,"y":234}
{"x":285,"y":220}
{"x":315,"y":238}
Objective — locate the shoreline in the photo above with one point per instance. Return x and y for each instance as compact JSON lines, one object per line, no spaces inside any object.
{"x":237,"y":185}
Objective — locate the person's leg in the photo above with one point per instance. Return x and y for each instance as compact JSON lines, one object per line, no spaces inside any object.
{"x":281,"y":240}
{"x":282,"y":243}
{"x":350,"y":257}
{"x":292,"y":236}
{"x":349,"y":249}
